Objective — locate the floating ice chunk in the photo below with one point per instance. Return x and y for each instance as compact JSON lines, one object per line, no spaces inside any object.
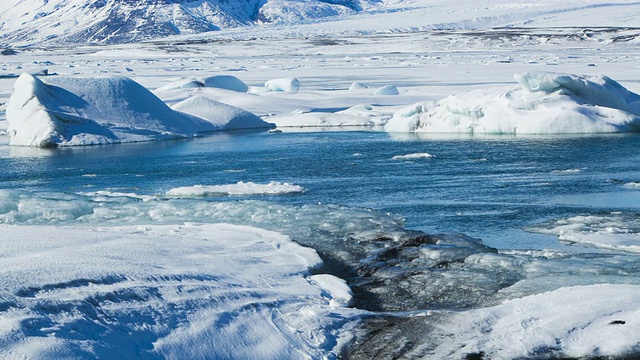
{"x":89,"y":111}
{"x":566,"y":171}
{"x":241,"y":188}
{"x":181,"y":84}
{"x":413,"y":156}
{"x":614,"y":231}
{"x":545,"y":103}
{"x":387,"y":90}
{"x":572,"y":322}
{"x":283,"y":85}
{"x":357,"y":86}
{"x":221,"y":114}
{"x":226,"y":82}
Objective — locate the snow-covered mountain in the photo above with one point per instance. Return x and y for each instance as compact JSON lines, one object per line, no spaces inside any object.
{"x":119,"y":21}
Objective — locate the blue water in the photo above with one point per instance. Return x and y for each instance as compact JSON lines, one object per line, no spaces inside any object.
{"x":486,"y":187}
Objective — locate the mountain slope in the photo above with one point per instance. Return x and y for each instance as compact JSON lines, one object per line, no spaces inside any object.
{"x":117,"y":21}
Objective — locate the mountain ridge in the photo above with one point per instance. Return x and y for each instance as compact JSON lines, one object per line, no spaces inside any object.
{"x":56,"y":22}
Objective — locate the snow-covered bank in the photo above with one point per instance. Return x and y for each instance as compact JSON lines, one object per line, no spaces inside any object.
{"x":545,"y":103}
{"x":573,"y":322}
{"x":195,"y":291}
{"x":70,"y":111}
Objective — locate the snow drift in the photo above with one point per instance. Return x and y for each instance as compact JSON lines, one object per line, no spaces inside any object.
{"x":545,"y":103}
{"x":89,"y":111}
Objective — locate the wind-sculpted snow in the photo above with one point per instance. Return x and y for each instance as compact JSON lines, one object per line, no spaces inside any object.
{"x":72,"y":111}
{"x":545,"y":103}
{"x":195,"y":291}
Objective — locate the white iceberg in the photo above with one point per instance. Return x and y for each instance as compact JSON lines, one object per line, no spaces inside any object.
{"x":221,"y":114}
{"x":226,"y":82}
{"x":545,"y":103}
{"x":283,"y":85}
{"x":69,"y":111}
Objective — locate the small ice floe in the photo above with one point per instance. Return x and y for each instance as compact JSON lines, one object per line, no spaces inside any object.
{"x":414,"y":156}
{"x":566,"y":171}
{"x":614,"y":231}
{"x":241,"y":188}
{"x":543,"y":103}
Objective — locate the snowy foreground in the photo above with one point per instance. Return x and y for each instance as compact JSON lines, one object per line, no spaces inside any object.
{"x":227,"y":291}
{"x":194,"y":291}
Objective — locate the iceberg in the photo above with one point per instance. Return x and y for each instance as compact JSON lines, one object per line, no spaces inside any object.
{"x":544,"y":103}
{"x":226,"y":82}
{"x":226,"y":116}
{"x":69,"y":111}
{"x":283,"y":85}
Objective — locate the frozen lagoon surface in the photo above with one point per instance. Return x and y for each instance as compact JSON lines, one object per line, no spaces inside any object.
{"x":100,"y":259}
